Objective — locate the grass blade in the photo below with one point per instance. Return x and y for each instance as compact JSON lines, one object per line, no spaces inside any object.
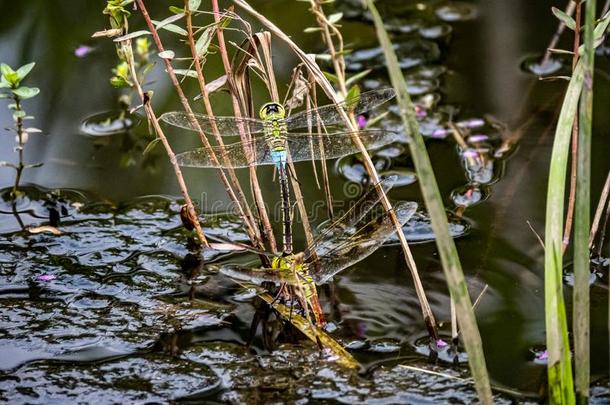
{"x":559,"y":362}
{"x":581,"y":318}
{"x":432,"y":198}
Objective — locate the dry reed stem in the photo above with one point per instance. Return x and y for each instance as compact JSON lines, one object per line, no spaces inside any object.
{"x":254,"y":184}
{"x":247,"y":213}
{"x":573,"y":167}
{"x":370,"y":167}
{"x":193,"y":121}
{"x":557,"y":35}
{"x":152,"y":118}
{"x":599,"y":211}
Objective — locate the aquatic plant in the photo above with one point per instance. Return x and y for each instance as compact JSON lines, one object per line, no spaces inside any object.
{"x":429,"y":188}
{"x":11,"y":88}
{"x":126,"y":75}
{"x":577,"y":103}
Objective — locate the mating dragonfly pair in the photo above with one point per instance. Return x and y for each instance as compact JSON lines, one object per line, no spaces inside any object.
{"x":275,"y":139}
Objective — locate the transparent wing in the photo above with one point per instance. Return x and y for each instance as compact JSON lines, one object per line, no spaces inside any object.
{"x":235,"y":155}
{"x":345,"y":250}
{"x":300,"y":147}
{"x":329,"y":114}
{"x":346,"y":223}
{"x":306,"y":146}
{"x":227,"y":126}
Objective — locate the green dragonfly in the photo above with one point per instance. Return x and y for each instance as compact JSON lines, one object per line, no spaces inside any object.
{"x":275,"y":138}
{"x":346,"y":241}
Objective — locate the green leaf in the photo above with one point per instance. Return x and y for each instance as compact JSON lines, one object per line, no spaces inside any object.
{"x":9,"y":75}
{"x":564,"y":18}
{"x":167,"y":54}
{"x":6,"y":70}
{"x":333,"y":78}
{"x":203,"y":43}
{"x":166,"y":25}
{"x":33,"y":165}
{"x":24,"y":70}
{"x":119,"y":82}
{"x":194,"y":5}
{"x":355,"y":78}
{"x":7,"y":164}
{"x":186,"y":72}
{"x":176,"y":10}
{"x":18,"y":114}
{"x":309,"y":30}
{"x":335,"y":18}
{"x":601,"y":27}
{"x":168,"y":20}
{"x":149,"y":148}
{"x":353,"y":96}
{"x":132,"y":35}
{"x":26,"y":92}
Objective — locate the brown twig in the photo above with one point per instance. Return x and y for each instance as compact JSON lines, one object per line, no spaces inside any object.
{"x":152,"y":118}
{"x":254,"y":184}
{"x":599,"y":211}
{"x":246,"y":213}
{"x":555,"y":39}
{"x":250,"y":229}
{"x":572,"y":198}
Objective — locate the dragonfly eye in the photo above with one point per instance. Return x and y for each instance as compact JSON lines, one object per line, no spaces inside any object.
{"x":272,"y":111}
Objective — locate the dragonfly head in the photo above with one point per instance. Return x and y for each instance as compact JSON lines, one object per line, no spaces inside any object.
{"x":272,"y":111}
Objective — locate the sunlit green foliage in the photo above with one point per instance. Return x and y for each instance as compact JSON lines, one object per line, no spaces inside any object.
{"x":11,"y":88}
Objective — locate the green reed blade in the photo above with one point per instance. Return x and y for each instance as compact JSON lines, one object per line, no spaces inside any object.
{"x":432,"y":198}
{"x":559,"y":362}
{"x":581,"y":318}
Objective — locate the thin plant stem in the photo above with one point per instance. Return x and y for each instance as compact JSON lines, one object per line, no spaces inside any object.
{"x":152,"y":118}
{"x":555,"y":39}
{"x":582,"y":272}
{"x":368,"y":163}
{"x":256,"y":190}
{"x":250,"y":229}
{"x":431,"y":194}
{"x":20,"y":166}
{"x":599,"y":211}
{"x":573,"y":169}
{"x":243,"y":206}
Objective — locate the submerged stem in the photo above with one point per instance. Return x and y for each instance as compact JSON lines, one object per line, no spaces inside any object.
{"x":20,"y":165}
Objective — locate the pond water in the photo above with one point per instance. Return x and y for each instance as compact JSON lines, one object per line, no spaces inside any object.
{"x":121,"y":308}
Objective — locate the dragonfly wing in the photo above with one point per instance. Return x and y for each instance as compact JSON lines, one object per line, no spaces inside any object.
{"x":235,"y":155}
{"x":329,"y":114}
{"x":355,"y":247}
{"x":226,"y":126}
{"x":351,"y":217}
{"x":308,"y":146}
{"x":260,"y":275}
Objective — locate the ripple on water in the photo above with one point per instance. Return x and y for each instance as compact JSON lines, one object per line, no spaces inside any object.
{"x":106,"y":124}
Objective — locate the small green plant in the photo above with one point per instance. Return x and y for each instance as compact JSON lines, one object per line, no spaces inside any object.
{"x":11,"y":88}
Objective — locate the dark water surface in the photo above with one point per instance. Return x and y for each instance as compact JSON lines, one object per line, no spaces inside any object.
{"x":119,"y":308}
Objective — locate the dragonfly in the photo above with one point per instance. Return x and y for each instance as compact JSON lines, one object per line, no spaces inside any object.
{"x":346,"y":241}
{"x":275,"y":138}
